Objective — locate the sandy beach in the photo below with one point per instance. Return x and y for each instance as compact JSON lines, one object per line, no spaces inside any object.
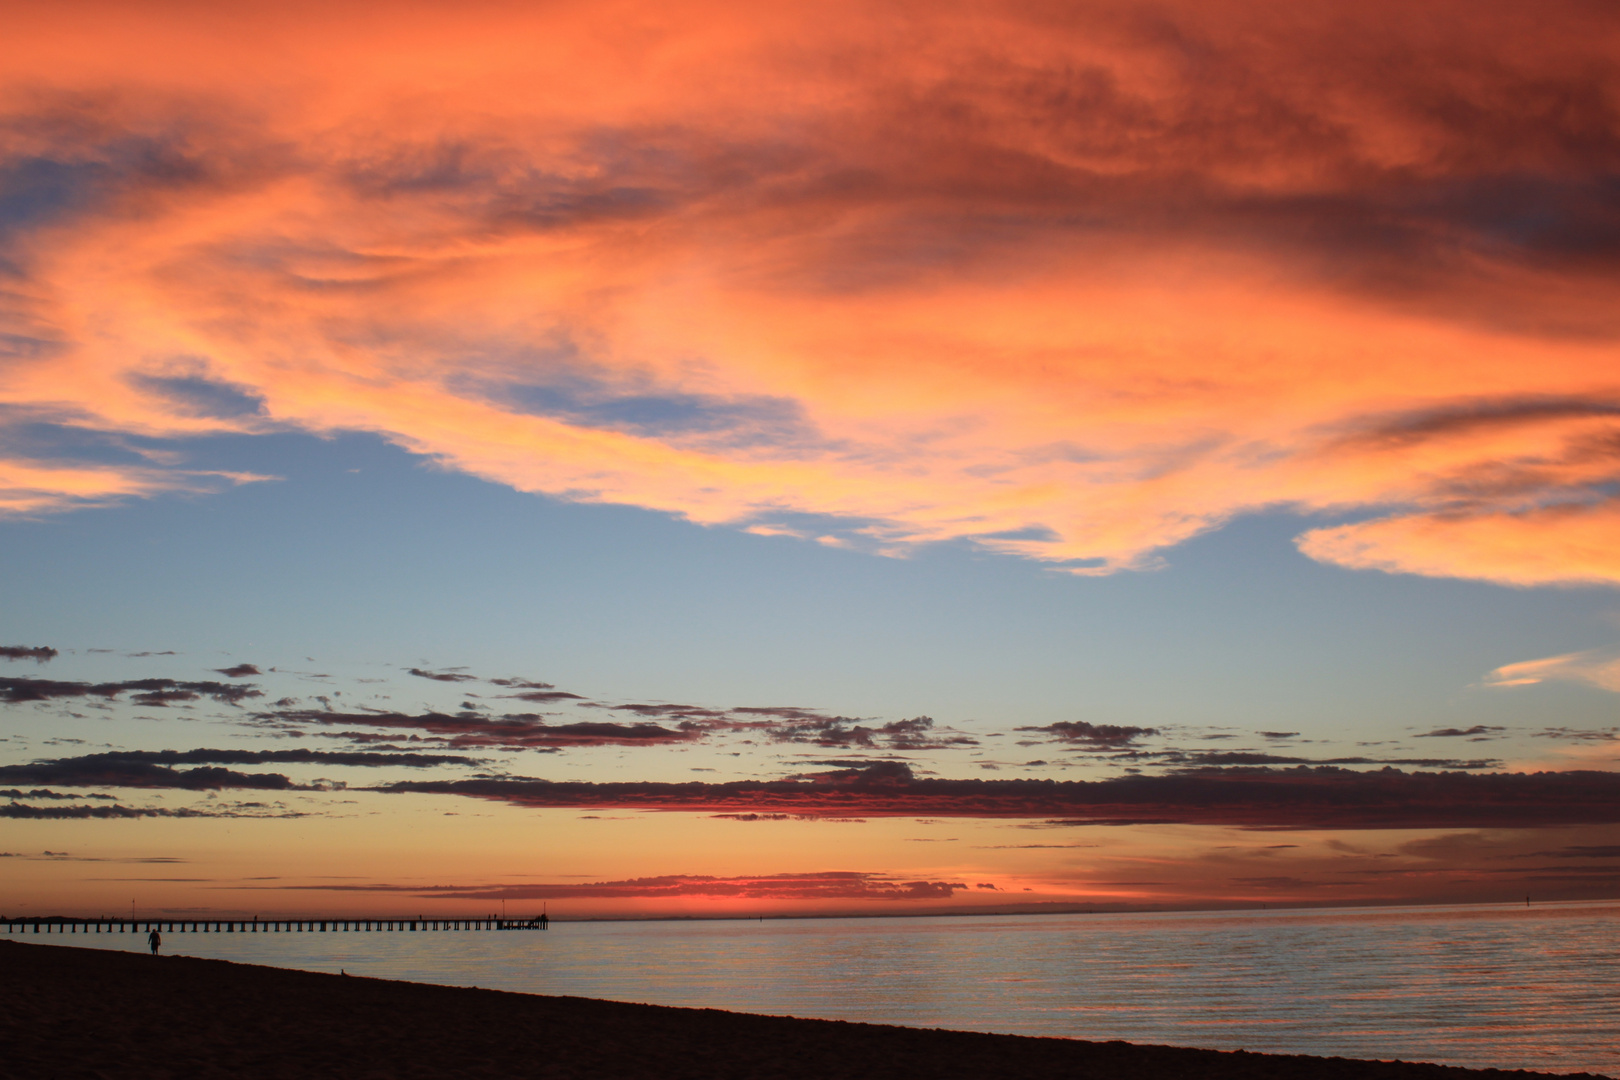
{"x":73,"y":1012}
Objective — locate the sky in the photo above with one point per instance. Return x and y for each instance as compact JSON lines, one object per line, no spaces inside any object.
{"x":721,"y":459}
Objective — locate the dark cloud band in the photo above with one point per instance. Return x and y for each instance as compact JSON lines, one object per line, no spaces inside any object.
{"x":1321,"y":797}
{"x":153,"y":692}
{"x":23,"y":811}
{"x":473,"y":729}
{"x":156,"y":768}
{"x":37,"y":653}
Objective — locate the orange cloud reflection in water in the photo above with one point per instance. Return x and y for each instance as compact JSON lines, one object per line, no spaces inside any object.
{"x":1076,"y":283}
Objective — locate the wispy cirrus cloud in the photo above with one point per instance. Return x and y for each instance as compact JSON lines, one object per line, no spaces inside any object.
{"x":1593,"y":667}
{"x":31,"y":487}
{"x":1072,"y":285}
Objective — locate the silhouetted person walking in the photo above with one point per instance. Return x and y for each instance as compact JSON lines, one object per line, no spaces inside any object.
{"x":154,"y":939}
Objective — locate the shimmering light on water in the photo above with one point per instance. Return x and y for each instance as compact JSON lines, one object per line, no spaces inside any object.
{"x":1502,"y":987}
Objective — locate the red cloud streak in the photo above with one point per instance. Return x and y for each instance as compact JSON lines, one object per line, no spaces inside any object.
{"x":830,"y":885}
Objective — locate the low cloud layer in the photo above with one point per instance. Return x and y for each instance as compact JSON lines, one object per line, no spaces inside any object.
{"x":1320,"y":797}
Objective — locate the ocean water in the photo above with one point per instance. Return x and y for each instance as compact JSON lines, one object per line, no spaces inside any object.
{"x":1479,"y":986}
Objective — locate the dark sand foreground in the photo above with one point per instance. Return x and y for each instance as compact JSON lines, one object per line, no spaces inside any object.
{"x":70,"y":1012}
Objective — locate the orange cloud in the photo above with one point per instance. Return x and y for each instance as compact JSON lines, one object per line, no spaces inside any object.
{"x":1554,"y":545}
{"x":1595,"y":667}
{"x":34,"y":487}
{"x":1601,"y":753}
{"x":1074,"y":285}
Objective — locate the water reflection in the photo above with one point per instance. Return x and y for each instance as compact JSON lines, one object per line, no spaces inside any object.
{"x":1477,"y":986}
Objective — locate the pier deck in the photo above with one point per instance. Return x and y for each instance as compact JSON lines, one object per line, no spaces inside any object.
{"x":62,"y":924}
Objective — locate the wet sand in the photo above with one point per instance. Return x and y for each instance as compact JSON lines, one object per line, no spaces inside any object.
{"x":70,"y":1012}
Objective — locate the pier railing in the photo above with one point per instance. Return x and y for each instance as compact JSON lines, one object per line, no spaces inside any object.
{"x":61,"y":924}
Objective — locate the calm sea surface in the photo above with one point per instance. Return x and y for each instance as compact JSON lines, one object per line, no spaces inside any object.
{"x":1514,"y":988}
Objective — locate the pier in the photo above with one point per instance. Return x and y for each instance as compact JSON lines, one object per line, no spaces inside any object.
{"x":60,"y":924}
